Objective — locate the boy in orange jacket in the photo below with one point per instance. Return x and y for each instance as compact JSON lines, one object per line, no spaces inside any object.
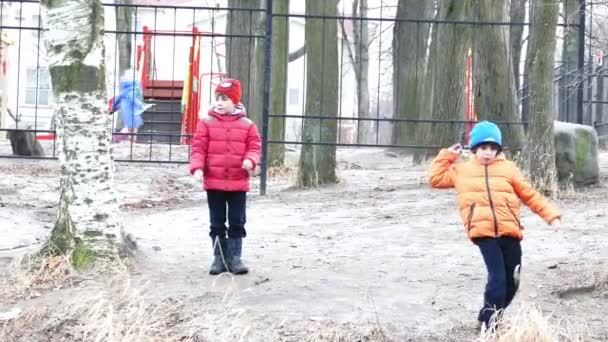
{"x":490,"y":190}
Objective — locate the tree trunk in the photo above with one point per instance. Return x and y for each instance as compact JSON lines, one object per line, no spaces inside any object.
{"x":423,"y":130}
{"x":297,"y":54}
{"x":318,"y":162}
{"x":240,"y":50}
{"x":517,"y":13}
{"x":278,"y":82}
{"x":568,"y":96}
{"x":365,"y":129}
{"x":88,"y":223}
{"x":409,"y":61}
{"x":541,"y":149}
{"x":256,"y":99}
{"x":453,"y":40}
{"x":124,"y":23}
{"x":495,"y":92}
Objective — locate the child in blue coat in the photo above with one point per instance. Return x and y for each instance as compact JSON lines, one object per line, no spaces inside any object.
{"x":130,"y":103}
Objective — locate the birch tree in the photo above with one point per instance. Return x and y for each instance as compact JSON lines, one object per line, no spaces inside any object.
{"x":88,"y":223}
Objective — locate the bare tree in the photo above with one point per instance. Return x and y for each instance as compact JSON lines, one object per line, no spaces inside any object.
{"x":240,"y":46}
{"x":517,"y":13}
{"x":256,"y":105}
{"x":495,"y":90}
{"x":358,"y":55}
{"x":409,"y":65}
{"x":124,"y":24}
{"x":568,"y":83}
{"x":540,"y":58}
{"x":365,"y":131}
{"x":448,"y":75}
{"x":318,"y":155}
{"x":278,"y":81}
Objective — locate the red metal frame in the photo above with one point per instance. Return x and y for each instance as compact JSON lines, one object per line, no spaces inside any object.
{"x":470,"y":111}
{"x":191,"y":108}
{"x":190,"y":114}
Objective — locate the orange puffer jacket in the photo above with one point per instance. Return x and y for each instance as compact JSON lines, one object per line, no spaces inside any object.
{"x":489,"y":196}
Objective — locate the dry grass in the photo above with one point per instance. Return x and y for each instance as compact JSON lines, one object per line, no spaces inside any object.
{"x":328,"y":331}
{"x":23,"y":325}
{"x":113,"y":308}
{"x":349,"y":333}
{"x":281,"y":171}
{"x":110,"y":309}
{"x":122,"y":314}
{"x":29,"y":276}
{"x":109,"y":306}
{"x":529,"y":324}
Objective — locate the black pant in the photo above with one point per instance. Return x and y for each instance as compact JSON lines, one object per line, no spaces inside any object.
{"x":502,"y":257}
{"x":236,"y":202}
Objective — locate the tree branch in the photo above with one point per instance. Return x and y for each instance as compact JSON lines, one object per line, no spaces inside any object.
{"x":351,"y":55}
{"x":297,"y":54}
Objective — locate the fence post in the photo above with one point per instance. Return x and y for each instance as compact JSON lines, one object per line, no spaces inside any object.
{"x":600,"y":105}
{"x":581,"y":63}
{"x":266,"y":97}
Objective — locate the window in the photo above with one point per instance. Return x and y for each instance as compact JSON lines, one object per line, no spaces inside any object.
{"x":37,"y":81}
{"x":294,"y":96}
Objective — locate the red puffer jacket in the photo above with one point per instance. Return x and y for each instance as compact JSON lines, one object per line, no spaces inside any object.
{"x":220,"y":145}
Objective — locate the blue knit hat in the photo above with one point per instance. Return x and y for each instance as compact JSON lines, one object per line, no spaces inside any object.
{"x":485,"y":132}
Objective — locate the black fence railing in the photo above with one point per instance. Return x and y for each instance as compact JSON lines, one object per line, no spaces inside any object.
{"x":382,"y":79}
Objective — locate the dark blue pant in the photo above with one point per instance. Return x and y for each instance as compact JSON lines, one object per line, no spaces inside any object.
{"x":236,"y":202}
{"x":502,"y":257}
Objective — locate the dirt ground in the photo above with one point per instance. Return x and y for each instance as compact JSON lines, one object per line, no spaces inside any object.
{"x":378,"y":253}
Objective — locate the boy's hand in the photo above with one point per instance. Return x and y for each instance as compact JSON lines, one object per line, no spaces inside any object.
{"x":456,"y":149}
{"x":556,"y":224}
{"x":198,"y":175}
{"x":247,"y":165}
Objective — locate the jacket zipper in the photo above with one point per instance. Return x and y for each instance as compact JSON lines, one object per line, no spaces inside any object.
{"x":514,"y":216}
{"x":491,"y":202}
{"x":470,"y":216}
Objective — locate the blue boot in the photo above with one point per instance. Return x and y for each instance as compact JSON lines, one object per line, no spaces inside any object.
{"x":220,"y":253}
{"x":235,"y":265}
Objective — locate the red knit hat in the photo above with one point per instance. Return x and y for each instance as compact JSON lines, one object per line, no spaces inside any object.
{"x":231,"y":88}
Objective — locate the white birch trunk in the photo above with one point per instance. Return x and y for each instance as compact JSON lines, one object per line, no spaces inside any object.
{"x":88,"y":223}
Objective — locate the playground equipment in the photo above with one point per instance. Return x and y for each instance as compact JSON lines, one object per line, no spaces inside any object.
{"x":169,"y":95}
{"x":470,"y":112}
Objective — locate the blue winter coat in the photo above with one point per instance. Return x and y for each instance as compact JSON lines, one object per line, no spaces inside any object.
{"x":130,"y":103}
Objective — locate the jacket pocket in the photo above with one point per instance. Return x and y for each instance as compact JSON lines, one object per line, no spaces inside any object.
{"x":471,"y":211}
{"x":515,"y":217}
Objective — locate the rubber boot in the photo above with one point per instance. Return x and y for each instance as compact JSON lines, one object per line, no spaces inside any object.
{"x":235,"y":265}
{"x":219,"y":249}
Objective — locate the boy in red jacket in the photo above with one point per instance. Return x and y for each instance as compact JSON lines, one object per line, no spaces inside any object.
{"x":225,"y":147}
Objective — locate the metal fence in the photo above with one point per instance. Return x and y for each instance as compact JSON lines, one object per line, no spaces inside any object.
{"x":179,"y":53}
